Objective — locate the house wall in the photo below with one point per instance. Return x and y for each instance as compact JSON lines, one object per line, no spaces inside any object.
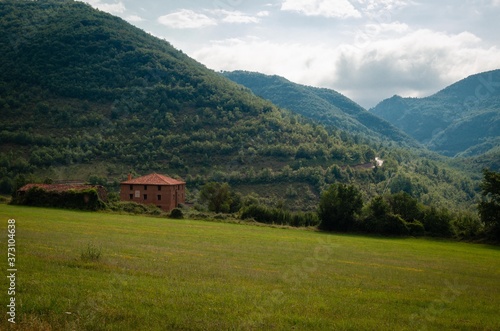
{"x":166,"y":197}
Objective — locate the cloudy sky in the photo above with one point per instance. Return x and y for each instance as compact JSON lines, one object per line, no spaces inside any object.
{"x":366,"y":49}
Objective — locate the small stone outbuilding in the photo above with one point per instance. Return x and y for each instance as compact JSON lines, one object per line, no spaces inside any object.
{"x":164,"y":192}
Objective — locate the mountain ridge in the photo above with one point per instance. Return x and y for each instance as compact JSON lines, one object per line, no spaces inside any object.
{"x":456,"y":121}
{"x":326,"y":106}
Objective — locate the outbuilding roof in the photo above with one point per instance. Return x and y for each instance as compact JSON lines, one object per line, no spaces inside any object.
{"x":153,"y":179}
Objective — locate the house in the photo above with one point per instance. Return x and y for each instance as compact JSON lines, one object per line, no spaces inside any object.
{"x":164,"y":192}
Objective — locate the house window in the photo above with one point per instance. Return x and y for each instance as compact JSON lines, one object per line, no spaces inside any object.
{"x":159,"y":197}
{"x":145,"y":187}
{"x":131,"y":196}
{"x":131,"y":187}
{"x":159,"y":187}
{"x":145,"y":196}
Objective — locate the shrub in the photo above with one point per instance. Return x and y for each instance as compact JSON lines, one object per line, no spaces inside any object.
{"x":416,"y":228}
{"x":91,"y":253}
{"x":176,"y":213}
{"x":382,"y":221}
{"x":280,"y":216}
{"x":134,"y":208}
{"x":437,"y":222}
{"x":395,"y":225}
{"x":467,"y":226}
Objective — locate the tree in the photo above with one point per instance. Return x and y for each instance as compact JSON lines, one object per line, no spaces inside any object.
{"x":217,"y":196}
{"x":489,"y":206}
{"x":339,"y":206}
{"x":406,"y":206}
{"x":382,"y":220}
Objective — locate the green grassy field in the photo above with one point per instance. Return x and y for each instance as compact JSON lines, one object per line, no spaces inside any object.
{"x":161,"y":274}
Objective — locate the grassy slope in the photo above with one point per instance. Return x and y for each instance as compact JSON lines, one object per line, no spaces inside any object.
{"x":158,"y":274}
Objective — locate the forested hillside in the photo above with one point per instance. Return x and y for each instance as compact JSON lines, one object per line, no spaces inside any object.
{"x":85,"y":95}
{"x":461,"y":120}
{"x":325,"y":106}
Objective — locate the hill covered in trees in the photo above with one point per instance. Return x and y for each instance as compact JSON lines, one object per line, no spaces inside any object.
{"x":461,"y":120}
{"x":325,"y":106}
{"x":84,"y":94}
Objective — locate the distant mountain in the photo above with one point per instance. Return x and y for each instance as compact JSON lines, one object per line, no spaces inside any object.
{"x":461,"y":120}
{"x":85,"y":95}
{"x":325,"y":106}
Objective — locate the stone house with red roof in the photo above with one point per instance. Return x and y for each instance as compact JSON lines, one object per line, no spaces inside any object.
{"x":164,"y":192}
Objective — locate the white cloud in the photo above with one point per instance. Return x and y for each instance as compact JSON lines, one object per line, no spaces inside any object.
{"x":266,"y":13}
{"x":412,"y":63}
{"x":326,"y":8}
{"x":186,"y":19}
{"x":134,"y":18}
{"x":112,"y":8}
{"x":415,"y":64}
{"x":234,"y":16}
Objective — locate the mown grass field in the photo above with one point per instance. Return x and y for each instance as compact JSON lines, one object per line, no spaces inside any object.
{"x":161,"y":274}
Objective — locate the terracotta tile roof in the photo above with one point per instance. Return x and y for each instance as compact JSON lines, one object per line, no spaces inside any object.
{"x":154,"y":179}
{"x":57,"y":187}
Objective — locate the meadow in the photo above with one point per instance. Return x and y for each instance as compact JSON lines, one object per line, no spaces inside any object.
{"x":163,"y":274}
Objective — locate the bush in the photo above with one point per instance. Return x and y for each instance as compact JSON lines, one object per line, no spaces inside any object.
{"x":91,"y":253}
{"x":176,"y":213}
{"x":395,"y":225}
{"x":416,"y":228}
{"x":268,"y":215}
{"x":437,"y":222}
{"x":404,"y":205}
{"x":135,"y":208}
{"x":467,"y":226}
{"x":382,"y":221}
{"x":389,"y":224}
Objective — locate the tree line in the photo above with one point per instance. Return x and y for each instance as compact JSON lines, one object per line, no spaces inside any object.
{"x":342,"y":208}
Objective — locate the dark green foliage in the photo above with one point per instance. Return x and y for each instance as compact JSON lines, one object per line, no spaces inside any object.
{"x":322,"y":105}
{"x":415,"y":228}
{"x":339,"y":207}
{"x":404,"y":205}
{"x":176,"y":213}
{"x":437,"y":222}
{"x":382,"y":221}
{"x":489,"y":206}
{"x":134,"y":208}
{"x":72,"y":199}
{"x":468,"y":226}
{"x":217,"y":197}
{"x":279,"y":216}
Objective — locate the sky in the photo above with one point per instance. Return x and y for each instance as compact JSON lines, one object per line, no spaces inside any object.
{"x":367,"y":50}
